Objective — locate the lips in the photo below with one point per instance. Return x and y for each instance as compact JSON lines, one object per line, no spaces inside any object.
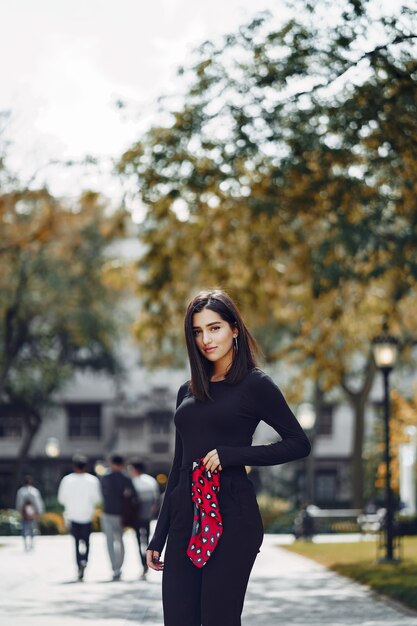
{"x":208,"y":350}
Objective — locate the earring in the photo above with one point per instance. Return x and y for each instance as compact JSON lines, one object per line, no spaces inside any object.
{"x":235,"y":344}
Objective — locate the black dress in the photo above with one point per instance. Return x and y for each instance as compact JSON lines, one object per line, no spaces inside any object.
{"x":214,"y":595}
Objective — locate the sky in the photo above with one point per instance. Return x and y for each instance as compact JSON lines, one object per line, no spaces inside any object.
{"x":66,"y":63}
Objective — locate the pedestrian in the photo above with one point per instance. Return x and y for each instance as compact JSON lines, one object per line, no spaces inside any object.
{"x":30,"y":505}
{"x":79,"y":493}
{"x":304,"y":523}
{"x":215,"y":531}
{"x":148,"y":494}
{"x":116,"y":489}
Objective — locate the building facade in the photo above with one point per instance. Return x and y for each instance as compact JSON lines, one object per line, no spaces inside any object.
{"x":97,"y":417}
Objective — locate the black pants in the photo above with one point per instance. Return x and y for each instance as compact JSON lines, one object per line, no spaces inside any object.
{"x":142,"y":535}
{"x":214,"y":594}
{"x":81,"y":534}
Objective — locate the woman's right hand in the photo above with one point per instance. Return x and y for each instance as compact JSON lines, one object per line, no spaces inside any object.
{"x":153,"y":560}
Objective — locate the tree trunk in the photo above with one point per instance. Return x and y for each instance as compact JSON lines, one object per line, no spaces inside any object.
{"x":357,"y":472}
{"x":358,"y":400}
{"x":32,"y":423}
{"x":16,"y":330}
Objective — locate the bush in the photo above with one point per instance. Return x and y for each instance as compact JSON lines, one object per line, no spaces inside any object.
{"x":51,"y":523}
{"x":96,"y":520}
{"x":52,"y":505}
{"x":284,"y":523}
{"x":277,"y":514}
{"x":9,"y":523}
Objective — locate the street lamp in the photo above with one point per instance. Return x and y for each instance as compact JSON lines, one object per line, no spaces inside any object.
{"x":52,"y":448}
{"x":385,"y":351}
{"x":306,"y":415}
{"x":100,"y":468}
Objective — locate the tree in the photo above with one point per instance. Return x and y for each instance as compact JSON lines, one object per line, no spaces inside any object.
{"x":57,"y":305}
{"x":286,"y":176}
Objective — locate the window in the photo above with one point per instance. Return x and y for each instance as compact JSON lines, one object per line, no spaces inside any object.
{"x":160,"y":447}
{"x":326,"y":486}
{"x":160,"y":422}
{"x":11,"y":423}
{"x":84,"y":421}
{"x":325,"y":421}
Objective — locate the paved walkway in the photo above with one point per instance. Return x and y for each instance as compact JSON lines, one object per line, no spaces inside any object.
{"x":40,"y":589}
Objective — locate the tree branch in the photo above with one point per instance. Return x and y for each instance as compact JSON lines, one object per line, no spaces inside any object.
{"x":399,"y":39}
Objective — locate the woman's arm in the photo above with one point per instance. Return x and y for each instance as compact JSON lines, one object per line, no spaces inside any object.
{"x":265,"y":402}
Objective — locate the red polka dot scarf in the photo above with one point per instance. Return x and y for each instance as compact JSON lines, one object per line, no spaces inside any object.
{"x":207,"y":523}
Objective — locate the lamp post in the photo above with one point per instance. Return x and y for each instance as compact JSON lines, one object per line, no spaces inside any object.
{"x":385,"y":351}
{"x":52,"y":448}
{"x":52,"y":451}
{"x":100,"y":468}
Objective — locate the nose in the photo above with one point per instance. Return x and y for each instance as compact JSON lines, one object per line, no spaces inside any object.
{"x":206,"y":338}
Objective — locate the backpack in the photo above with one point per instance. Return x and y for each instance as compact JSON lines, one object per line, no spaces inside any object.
{"x":130,"y":509}
{"x":28,"y":511}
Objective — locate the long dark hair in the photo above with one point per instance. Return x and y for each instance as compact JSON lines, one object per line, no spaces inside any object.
{"x":244,"y":356}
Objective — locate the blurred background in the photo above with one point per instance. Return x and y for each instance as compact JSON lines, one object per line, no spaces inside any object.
{"x":148,"y":152}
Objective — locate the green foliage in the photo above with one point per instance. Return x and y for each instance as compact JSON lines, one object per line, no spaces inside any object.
{"x":287,"y":177}
{"x":282,"y":523}
{"x":394,"y":581}
{"x":9,"y":522}
{"x":52,"y":505}
{"x":277,"y":515}
{"x":56,"y":312}
{"x":58,"y":290}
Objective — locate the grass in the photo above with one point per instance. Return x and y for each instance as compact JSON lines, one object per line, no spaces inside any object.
{"x":358,"y":561}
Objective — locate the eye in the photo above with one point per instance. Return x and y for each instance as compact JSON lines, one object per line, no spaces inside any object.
{"x":215,"y":328}
{"x":196,"y":333}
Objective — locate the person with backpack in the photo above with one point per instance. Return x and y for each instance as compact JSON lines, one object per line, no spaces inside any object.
{"x":30,"y":505}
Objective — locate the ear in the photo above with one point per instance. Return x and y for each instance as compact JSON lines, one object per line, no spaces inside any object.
{"x":235,"y":330}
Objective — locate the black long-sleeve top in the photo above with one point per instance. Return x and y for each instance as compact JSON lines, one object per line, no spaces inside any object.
{"x":227,"y":423}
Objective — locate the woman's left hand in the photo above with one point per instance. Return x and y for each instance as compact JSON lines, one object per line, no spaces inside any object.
{"x":212,"y":461}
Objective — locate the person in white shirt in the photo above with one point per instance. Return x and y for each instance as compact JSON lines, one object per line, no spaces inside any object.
{"x":30,"y":505}
{"x":79,"y":493}
{"x":148,"y":493}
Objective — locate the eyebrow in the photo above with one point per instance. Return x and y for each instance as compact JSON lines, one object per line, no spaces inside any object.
{"x":211,"y":324}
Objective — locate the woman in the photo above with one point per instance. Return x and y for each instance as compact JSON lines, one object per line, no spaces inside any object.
{"x":216,"y":416}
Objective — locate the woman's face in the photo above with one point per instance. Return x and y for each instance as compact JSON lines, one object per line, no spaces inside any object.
{"x":214,"y":336}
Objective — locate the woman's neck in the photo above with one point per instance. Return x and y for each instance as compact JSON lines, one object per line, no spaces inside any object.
{"x":217,"y":377}
{"x":221,"y":369}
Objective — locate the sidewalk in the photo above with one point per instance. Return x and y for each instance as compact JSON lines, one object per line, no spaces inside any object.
{"x":40,"y":589}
